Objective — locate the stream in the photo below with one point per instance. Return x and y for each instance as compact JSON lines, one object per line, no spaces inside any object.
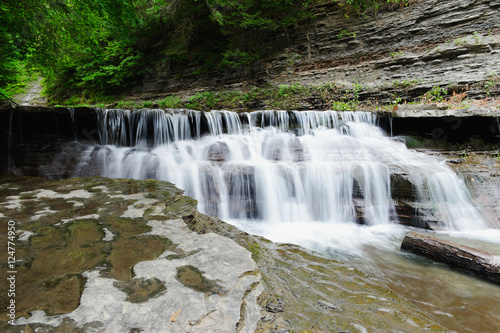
{"x":332,"y":182}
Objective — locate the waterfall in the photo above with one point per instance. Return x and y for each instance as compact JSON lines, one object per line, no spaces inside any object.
{"x":279,"y":166}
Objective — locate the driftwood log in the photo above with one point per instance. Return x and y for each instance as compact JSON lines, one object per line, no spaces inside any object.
{"x":478,"y":262}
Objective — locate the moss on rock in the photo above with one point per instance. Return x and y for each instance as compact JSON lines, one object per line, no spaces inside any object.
{"x":193,"y":278}
{"x":129,"y":251}
{"x":66,"y":222}
{"x":142,"y":289}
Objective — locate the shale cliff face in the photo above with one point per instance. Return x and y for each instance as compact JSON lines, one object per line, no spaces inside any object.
{"x":400,"y":52}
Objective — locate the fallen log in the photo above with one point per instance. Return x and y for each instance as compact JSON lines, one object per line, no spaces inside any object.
{"x":478,"y":262}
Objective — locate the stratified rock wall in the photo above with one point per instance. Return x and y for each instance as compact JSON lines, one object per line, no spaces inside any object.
{"x":403,"y":51}
{"x":419,"y":42}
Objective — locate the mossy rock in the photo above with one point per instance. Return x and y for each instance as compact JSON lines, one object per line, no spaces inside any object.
{"x":193,"y":278}
{"x":127,"y":227}
{"x":142,"y":289}
{"x":127,"y":252}
{"x":62,"y":247}
{"x":47,"y":236}
{"x":84,"y":232}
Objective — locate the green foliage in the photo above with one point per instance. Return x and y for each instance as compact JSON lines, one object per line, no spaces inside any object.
{"x":258,"y":14}
{"x":128,"y":104}
{"x":396,"y":54}
{"x":236,"y":58}
{"x":255,"y":250}
{"x":242,"y":24}
{"x":492,"y":80}
{"x":356,"y":89}
{"x":281,"y":97}
{"x":295,"y":89}
{"x":365,"y":7}
{"x":10,"y":51}
{"x":460,"y":41}
{"x":396,"y":101}
{"x":213,"y":33}
{"x":477,"y":37}
{"x":345,"y":33}
{"x":344,"y":106}
{"x":436,"y":94}
{"x":57,"y":36}
{"x":16,"y":82}
{"x":170,"y":102}
{"x":293,"y":58}
{"x":115,"y":65}
{"x":203,"y":101}
{"x":179,"y":31}
{"x":10,"y":69}
{"x":405,"y":84}
{"x":285,"y":96}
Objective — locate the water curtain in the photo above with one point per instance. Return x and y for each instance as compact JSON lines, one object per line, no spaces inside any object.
{"x":280,"y":166}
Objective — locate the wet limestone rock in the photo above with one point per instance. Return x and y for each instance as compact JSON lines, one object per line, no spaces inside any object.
{"x":115,"y":255}
{"x":193,"y":278}
{"x":481,"y":173}
{"x":306,"y":291}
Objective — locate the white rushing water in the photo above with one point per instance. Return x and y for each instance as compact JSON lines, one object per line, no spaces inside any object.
{"x":268,"y":168}
{"x":330,"y":181}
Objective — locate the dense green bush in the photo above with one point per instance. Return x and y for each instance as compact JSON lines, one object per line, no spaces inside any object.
{"x":57,"y":35}
{"x":117,"y":65}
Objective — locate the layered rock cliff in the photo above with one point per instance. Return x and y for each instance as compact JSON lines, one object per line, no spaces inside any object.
{"x":397,"y":54}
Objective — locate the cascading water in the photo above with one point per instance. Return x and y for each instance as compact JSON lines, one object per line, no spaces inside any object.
{"x":278,"y":166}
{"x":329,"y":181}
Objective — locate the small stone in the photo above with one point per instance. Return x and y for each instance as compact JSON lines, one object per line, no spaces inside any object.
{"x":275,"y":307}
{"x":267,"y":318}
{"x":442,"y":106}
{"x":395,"y":67}
{"x":326,"y":305}
{"x":456,"y":161}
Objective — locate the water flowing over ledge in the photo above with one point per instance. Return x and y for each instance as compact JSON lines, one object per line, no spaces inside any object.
{"x":282,"y":166}
{"x":308,"y":178}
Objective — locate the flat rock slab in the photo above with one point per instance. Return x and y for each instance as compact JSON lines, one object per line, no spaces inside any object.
{"x":114,"y":255}
{"x":478,"y":262}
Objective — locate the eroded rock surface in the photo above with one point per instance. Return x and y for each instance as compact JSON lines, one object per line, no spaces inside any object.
{"x":481,"y":172}
{"x":111,"y":255}
{"x":115,"y":255}
{"x":306,"y":291}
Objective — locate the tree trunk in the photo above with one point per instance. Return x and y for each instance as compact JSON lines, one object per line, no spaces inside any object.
{"x":478,"y":262}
